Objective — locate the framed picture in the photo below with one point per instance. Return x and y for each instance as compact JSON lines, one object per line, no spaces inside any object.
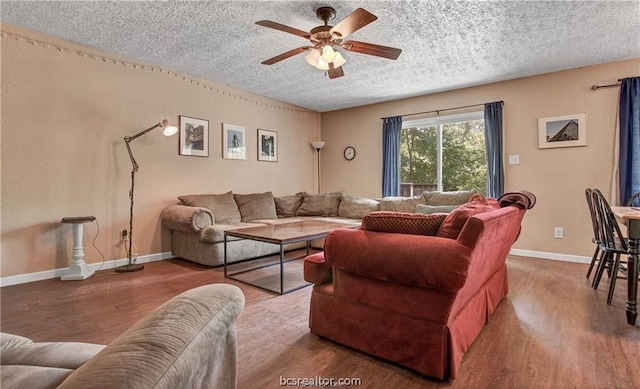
{"x":233,"y":142}
{"x":562,"y":131}
{"x":267,"y":145}
{"x":194,"y":137}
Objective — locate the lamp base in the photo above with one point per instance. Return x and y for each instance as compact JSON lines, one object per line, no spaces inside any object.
{"x":129,"y":268}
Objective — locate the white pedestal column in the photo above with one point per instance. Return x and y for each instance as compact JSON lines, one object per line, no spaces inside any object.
{"x":78,"y":270}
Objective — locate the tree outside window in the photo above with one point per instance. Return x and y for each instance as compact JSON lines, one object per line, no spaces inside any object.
{"x":444,"y":154}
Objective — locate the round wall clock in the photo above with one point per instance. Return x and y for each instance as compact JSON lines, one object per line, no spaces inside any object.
{"x":349,"y":153}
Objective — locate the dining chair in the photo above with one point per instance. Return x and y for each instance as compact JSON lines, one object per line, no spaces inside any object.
{"x":634,"y":201}
{"x":612,"y":243}
{"x":595,"y":239}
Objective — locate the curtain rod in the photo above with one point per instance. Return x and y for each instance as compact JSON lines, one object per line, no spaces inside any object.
{"x":437,"y":111}
{"x":596,"y":87}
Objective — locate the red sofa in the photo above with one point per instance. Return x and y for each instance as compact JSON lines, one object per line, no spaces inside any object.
{"x":415,"y":289}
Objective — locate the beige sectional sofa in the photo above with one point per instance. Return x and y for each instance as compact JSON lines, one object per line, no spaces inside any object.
{"x":198,"y":222}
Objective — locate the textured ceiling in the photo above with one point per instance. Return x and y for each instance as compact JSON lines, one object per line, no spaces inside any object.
{"x":446,"y":45}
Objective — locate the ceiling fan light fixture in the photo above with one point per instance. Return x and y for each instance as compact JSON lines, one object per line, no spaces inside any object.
{"x":312,"y":57}
{"x":322,"y":65}
{"x":339,"y":61}
{"x":328,"y":54}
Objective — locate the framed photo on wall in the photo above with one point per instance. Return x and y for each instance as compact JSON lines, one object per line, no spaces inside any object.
{"x":267,"y":145}
{"x":234,"y":144}
{"x":194,"y":137}
{"x":562,"y":131}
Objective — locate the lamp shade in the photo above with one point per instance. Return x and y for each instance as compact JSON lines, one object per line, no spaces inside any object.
{"x":169,"y":129}
{"x":328,"y":54}
{"x":339,"y":60}
{"x":318,"y":145}
{"x":312,"y":57}
{"x":322,"y":65}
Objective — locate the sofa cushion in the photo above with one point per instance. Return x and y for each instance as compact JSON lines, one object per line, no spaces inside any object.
{"x":215,"y":233}
{"x":401,"y":204}
{"x":448,"y":198}
{"x":454,"y":222}
{"x":355,"y":207}
{"x":62,"y":355}
{"x":9,"y":341}
{"x":429,"y":209}
{"x":256,"y":206}
{"x":321,"y":204}
{"x":403,"y":223}
{"x":223,"y":206}
{"x":287,"y":206}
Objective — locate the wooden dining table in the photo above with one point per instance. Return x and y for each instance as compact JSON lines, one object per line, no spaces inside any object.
{"x":630,"y":217}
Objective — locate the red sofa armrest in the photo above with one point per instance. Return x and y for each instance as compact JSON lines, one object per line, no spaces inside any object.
{"x":317,"y":270}
{"x":417,"y":260}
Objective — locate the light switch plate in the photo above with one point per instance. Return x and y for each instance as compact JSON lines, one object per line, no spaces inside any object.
{"x":514,"y":160}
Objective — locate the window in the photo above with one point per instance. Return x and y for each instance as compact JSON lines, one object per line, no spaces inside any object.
{"x":444,"y":154}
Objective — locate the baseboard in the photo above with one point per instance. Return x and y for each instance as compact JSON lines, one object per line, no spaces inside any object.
{"x":552,"y":256}
{"x":56,"y":273}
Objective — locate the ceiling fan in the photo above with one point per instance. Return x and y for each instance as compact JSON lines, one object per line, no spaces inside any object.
{"x":324,"y":39}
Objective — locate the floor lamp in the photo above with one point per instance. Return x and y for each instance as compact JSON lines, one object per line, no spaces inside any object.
{"x":318,"y":145}
{"x":168,"y":131}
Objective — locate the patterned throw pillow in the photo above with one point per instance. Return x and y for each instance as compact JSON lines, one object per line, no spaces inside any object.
{"x":454,"y":222}
{"x":403,"y":223}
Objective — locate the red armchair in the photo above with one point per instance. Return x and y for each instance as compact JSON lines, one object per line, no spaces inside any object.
{"x":418,"y":299}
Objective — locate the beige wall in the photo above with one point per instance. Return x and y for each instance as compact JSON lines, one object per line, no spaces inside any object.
{"x":557,"y":176}
{"x":65,"y":112}
{"x":64,"y":116}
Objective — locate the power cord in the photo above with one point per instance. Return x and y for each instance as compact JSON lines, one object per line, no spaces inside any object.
{"x":96,"y":247}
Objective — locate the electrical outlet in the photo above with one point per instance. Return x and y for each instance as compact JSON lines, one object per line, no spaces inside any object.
{"x":124,"y":234}
{"x":558,"y":233}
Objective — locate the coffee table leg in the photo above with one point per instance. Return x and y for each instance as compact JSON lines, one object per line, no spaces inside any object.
{"x":281,"y":269}
{"x":225,"y":255}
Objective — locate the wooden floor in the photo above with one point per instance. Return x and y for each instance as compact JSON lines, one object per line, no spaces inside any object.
{"x":552,"y":331}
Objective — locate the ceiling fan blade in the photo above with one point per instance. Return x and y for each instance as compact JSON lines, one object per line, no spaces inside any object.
{"x":335,"y":72}
{"x":286,"y":55}
{"x":282,"y":27}
{"x":371,"y":49}
{"x":353,"y":22}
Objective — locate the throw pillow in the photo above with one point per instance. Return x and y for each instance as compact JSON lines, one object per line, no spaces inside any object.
{"x":448,"y":198}
{"x":452,"y":225}
{"x":403,"y":223}
{"x":223,"y":206}
{"x":401,"y":204}
{"x":429,"y":209}
{"x":355,"y":207}
{"x":322,"y":204}
{"x":287,"y":206}
{"x":256,"y":206}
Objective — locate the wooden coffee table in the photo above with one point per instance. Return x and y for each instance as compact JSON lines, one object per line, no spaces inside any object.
{"x":282,"y":235}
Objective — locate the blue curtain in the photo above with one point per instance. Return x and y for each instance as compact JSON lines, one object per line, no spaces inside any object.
{"x":391,"y":128}
{"x":493,"y":146}
{"x":629,"y":162}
